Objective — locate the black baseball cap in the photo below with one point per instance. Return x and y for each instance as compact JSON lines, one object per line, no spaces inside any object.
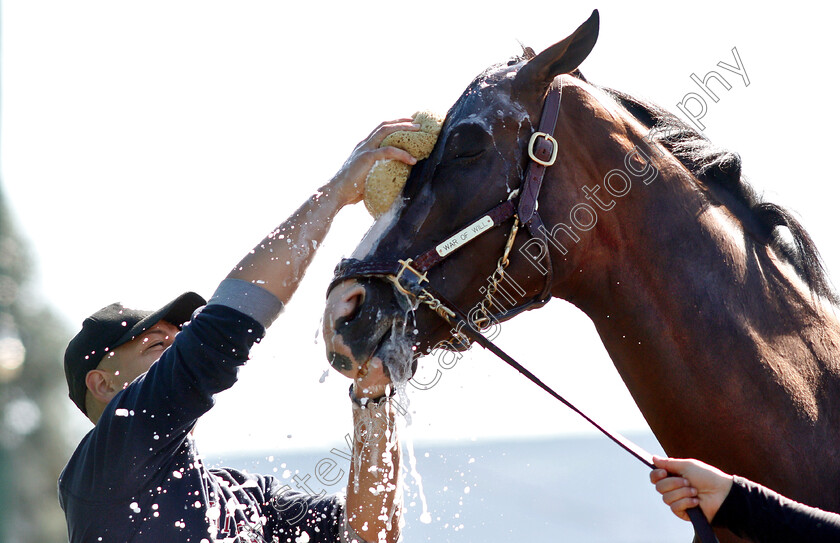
{"x":111,"y":327}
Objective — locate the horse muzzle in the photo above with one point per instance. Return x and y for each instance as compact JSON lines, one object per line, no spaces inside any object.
{"x":363,"y":319}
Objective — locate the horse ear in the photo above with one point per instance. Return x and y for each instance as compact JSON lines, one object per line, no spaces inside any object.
{"x":562,"y":57}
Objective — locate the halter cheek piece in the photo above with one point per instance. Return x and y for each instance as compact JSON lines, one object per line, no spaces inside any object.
{"x":409,"y":275}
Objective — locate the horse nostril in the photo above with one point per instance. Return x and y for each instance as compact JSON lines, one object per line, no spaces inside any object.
{"x":354,"y":305}
{"x":347,"y":304}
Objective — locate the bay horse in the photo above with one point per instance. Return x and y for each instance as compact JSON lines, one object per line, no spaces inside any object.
{"x":712,"y":304}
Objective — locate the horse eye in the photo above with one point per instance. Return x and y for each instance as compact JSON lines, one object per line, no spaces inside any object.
{"x":466,"y":155}
{"x":467,"y":142}
{"x":460,"y":157}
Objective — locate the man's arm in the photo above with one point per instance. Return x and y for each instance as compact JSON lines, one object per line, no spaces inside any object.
{"x":278,"y":263}
{"x":374,"y":509}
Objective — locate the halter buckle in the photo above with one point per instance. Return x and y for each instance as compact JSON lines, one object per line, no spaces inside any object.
{"x":406,"y":265}
{"x":549,"y":139}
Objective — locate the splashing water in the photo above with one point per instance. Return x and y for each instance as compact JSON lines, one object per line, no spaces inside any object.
{"x":318,"y":330}
{"x":408,"y":439}
{"x":425,"y":516}
{"x":396,"y":354}
{"x":399,"y":365}
{"x":401,"y":395}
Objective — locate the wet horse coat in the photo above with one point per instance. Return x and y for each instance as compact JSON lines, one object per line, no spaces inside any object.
{"x":712,"y":305}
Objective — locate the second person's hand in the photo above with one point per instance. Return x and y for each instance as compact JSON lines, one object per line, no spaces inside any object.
{"x":690,"y":483}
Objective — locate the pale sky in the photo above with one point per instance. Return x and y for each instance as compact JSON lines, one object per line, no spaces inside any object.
{"x":147,"y":146}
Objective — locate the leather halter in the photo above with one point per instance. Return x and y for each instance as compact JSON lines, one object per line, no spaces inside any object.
{"x":542,"y":149}
{"x":521,"y":206}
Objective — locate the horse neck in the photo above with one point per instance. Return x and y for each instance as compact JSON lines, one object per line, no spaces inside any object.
{"x":702,"y":322}
{"x":630,"y":226}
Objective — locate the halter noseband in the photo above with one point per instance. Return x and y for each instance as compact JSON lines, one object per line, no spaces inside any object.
{"x":409,"y":275}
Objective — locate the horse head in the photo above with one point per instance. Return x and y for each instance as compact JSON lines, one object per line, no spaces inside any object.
{"x":477,"y":164}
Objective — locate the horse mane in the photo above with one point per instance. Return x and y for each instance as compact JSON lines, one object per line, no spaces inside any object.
{"x":720,"y":170}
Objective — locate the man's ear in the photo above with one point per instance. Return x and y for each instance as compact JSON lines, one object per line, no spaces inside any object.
{"x":100,"y":385}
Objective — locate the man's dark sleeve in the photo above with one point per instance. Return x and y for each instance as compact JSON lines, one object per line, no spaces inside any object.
{"x":290,"y":513}
{"x":151,"y":418}
{"x":757,"y":513}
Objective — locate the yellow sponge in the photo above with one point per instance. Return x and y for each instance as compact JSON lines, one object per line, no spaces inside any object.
{"x":387,"y":177}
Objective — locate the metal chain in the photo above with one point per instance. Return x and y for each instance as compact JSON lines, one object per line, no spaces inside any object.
{"x":497,"y":277}
{"x":436,"y":305}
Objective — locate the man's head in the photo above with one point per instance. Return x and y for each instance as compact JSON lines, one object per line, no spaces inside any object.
{"x":118,"y":344}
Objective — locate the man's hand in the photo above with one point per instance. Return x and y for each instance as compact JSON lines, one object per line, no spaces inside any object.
{"x":688,"y":483}
{"x":349,"y":183}
{"x":371,"y":381}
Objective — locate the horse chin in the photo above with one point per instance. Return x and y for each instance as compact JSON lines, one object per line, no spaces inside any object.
{"x":391,"y":346}
{"x":395,"y":352}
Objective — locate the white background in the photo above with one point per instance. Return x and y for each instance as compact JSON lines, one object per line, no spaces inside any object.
{"x":146,"y":146}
